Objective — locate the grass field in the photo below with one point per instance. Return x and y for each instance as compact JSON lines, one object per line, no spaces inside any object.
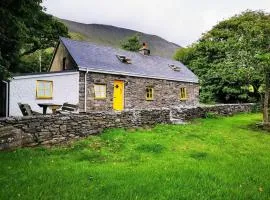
{"x":223,"y":158}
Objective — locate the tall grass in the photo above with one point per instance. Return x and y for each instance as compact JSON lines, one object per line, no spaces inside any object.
{"x":219,"y":158}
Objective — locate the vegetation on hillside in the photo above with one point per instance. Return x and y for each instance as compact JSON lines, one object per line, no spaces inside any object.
{"x":25,"y":29}
{"x":112,"y":36}
{"x":223,"y":158}
{"x":77,"y":36}
{"x":225,"y":60}
{"x":131,"y":43}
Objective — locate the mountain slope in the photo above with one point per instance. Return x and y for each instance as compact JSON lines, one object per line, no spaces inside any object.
{"x":112,"y":36}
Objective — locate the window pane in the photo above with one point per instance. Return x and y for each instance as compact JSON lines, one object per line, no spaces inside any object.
{"x":47,"y":86}
{"x":183,"y":93}
{"x":100,"y":91}
{"x":47,"y":93}
{"x":149,"y":93}
{"x":102,"y":94}
{"x":103,"y":89}
{"x":44,"y":89}
{"x":40,"y":93}
{"x":95,"y":88}
{"x":40,"y":85}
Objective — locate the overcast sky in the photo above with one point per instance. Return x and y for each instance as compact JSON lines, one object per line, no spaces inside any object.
{"x":179,"y":21}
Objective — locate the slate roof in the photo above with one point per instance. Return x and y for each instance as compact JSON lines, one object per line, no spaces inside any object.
{"x":98,"y":58}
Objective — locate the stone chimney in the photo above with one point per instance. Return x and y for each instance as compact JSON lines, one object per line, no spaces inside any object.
{"x":145,"y":50}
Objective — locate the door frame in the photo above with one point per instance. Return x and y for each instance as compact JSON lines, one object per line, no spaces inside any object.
{"x":5,"y":98}
{"x":123,"y":96}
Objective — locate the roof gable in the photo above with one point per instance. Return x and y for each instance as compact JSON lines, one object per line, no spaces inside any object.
{"x":103,"y":59}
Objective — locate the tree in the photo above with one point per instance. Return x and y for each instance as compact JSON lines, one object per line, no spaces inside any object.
{"x":184,"y":54}
{"x":24,"y":29}
{"x":264,"y":61}
{"x":10,"y":31}
{"x":31,"y":62}
{"x":132,"y":43}
{"x":224,"y":58}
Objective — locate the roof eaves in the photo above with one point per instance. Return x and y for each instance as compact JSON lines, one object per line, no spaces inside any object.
{"x":133,"y":74}
{"x":43,"y":74}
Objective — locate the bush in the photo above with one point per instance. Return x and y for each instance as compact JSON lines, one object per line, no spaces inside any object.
{"x":211,"y":115}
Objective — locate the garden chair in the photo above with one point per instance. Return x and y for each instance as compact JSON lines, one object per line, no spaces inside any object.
{"x":26,"y":110}
{"x":68,"y":108}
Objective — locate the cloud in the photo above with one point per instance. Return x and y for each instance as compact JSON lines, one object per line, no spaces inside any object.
{"x":178,"y":21}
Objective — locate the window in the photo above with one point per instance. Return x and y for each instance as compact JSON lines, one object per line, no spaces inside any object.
{"x":44,"y":89}
{"x":175,"y":68}
{"x":183,"y":93}
{"x":149,"y":93}
{"x":124,"y":59}
{"x":64,"y":63}
{"x":100,"y":91}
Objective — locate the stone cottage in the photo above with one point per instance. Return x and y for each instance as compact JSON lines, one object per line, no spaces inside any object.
{"x":98,"y":77}
{"x":116,"y":79}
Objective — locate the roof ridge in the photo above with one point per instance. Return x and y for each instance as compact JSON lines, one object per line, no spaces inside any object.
{"x":114,"y":48}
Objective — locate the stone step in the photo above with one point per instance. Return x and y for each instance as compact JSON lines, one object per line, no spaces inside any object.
{"x":177,"y":121}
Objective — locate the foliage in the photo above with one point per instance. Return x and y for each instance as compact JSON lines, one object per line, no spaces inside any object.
{"x":196,"y":161}
{"x":24,"y":29}
{"x":77,"y":36}
{"x":225,"y":57}
{"x":264,"y":59}
{"x":211,"y":115}
{"x":184,"y":54}
{"x":4,"y":73}
{"x":31,"y":62}
{"x":131,"y":43}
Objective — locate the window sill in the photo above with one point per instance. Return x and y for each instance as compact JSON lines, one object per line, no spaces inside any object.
{"x":100,"y":98}
{"x":40,"y":98}
{"x":183,"y":99}
{"x":149,"y":99}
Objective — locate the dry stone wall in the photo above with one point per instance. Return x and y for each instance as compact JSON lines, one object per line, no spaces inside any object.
{"x":53,"y":129}
{"x":188,"y":113}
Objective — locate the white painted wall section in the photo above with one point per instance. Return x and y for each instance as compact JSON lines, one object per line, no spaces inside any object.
{"x":23,"y":90}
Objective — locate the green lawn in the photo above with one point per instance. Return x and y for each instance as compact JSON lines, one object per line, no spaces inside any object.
{"x":224,"y":158}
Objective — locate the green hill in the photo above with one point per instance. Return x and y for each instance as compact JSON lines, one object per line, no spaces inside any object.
{"x":112,"y":36}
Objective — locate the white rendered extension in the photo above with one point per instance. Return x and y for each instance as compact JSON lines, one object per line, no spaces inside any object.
{"x":23,"y":90}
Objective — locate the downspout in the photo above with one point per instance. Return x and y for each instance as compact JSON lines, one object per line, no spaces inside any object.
{"x":7,"y":97}
{"x":85,"y":90}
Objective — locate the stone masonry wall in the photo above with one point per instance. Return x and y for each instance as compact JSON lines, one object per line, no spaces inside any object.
{"x":188,"y":113}
{"x":53,"y":129}
{"x":166,"y":93}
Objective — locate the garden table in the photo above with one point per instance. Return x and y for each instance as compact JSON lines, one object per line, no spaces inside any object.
{"x":52,"y":106}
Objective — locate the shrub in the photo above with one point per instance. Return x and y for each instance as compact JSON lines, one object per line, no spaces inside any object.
{"x":211,"y":115}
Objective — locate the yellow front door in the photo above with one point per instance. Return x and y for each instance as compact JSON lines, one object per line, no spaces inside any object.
{"x":118,"y":95}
